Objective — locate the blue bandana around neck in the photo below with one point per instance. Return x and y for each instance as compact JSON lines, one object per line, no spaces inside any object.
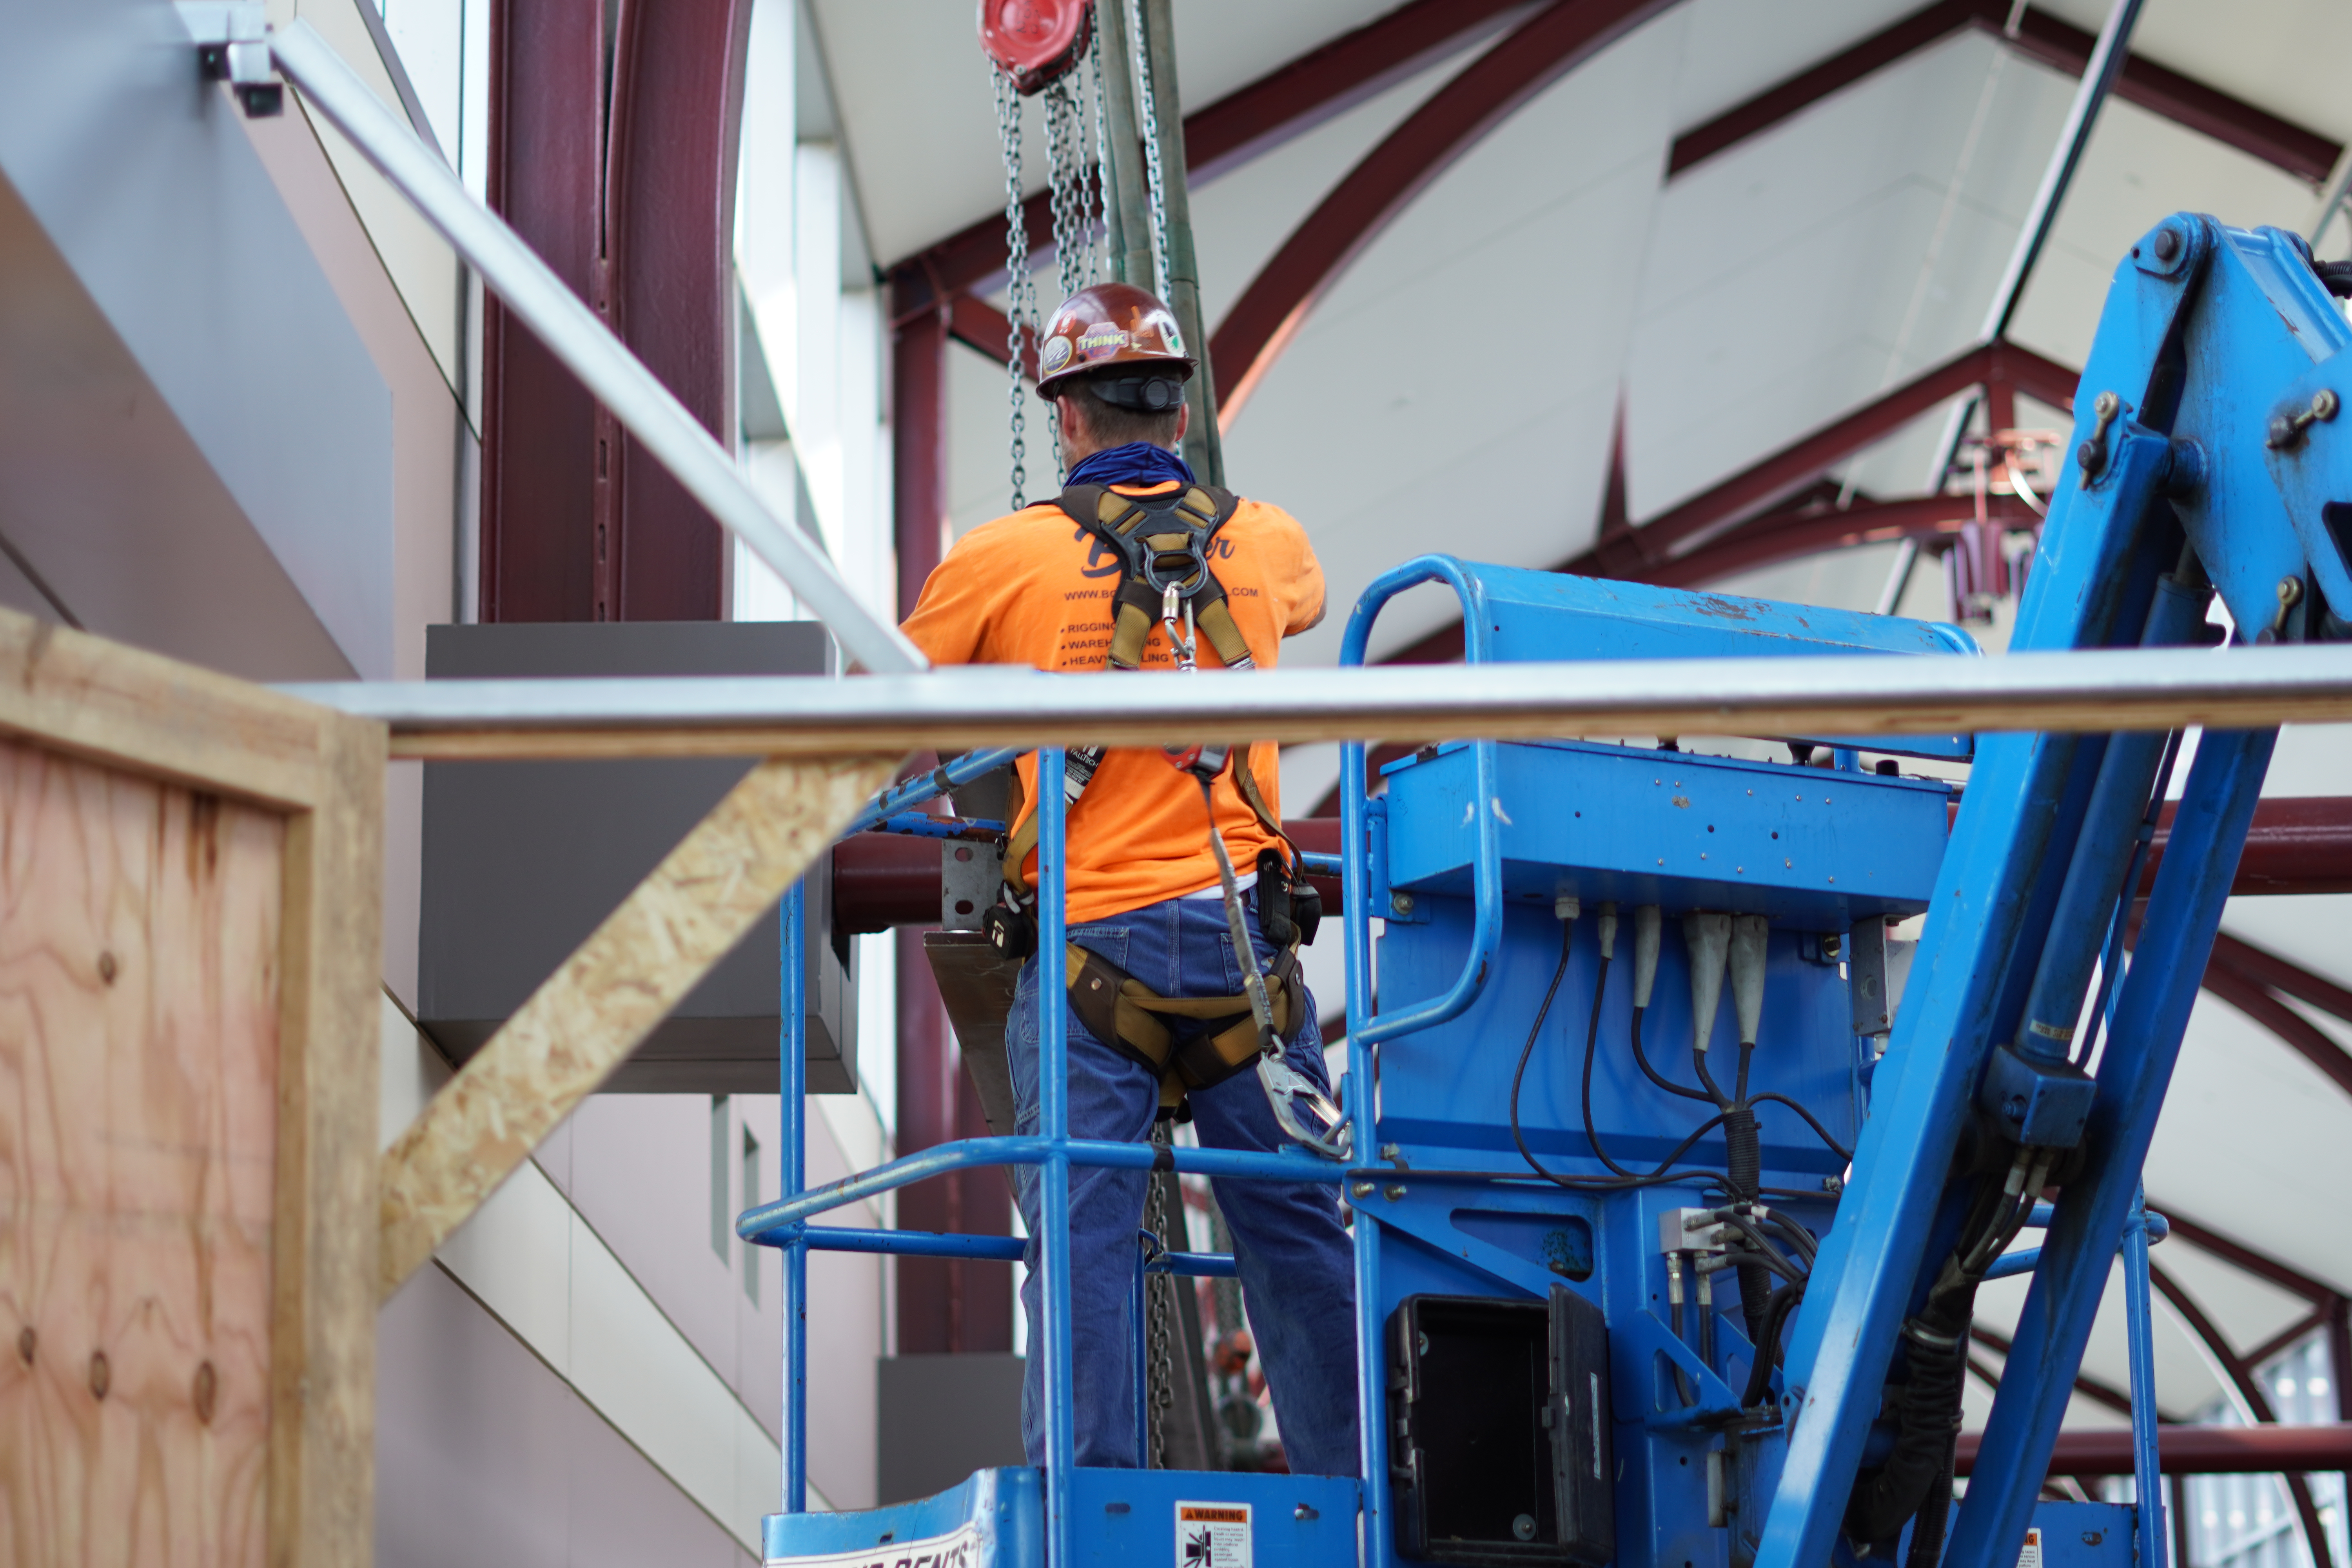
{"x":1137,"y":463}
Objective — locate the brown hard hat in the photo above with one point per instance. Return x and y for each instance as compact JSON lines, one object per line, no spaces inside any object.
{"x":1110,"y":326}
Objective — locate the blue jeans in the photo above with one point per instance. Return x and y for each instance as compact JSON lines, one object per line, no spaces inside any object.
{"x":1294,"y":1257}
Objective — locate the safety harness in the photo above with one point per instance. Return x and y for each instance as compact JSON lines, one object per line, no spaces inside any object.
{"x":1164,"y":543}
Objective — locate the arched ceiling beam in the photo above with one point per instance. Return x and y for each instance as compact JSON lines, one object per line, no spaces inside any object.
{"x":2250,"y":1390}
{"x":1792,"y":535}
{"x":2089,"y":1387}
{"x":2250,"y":979}
{"x":1533,"y":56}
{"x":2043,"y":38}
{"x":2239,"y":1255}
{"x":1248,"y":122}
{"x":1638,"y":552}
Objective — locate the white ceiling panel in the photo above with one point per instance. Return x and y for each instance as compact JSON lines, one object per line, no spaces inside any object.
{"x":2287,"y":55}
{"x":1800,"y":274}
{"x":1455,"y":388}
{"x":1735,"y":49}
{"x":2255,"y":1140}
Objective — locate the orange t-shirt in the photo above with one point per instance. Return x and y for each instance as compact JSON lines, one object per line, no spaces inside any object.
{"x":1034,"y":588}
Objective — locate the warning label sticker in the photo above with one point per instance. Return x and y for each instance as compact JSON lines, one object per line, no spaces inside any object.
{"x":2032,"y":1556}
{"x":1213,"y":1535}
{"x":959,"y":1550}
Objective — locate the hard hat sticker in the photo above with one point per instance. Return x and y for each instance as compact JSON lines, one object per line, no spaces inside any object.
{"x":1101,"y":339}
{"x":1057,"y":355}
{"x":1213,"y":1535}
{"x":1163,"y":323}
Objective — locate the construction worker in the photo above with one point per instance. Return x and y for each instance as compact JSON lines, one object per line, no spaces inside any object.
{"x":1075,"y":584}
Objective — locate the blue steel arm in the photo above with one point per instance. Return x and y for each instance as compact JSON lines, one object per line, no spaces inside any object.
{"x":2000,"y":872}
{"x":792,"y":961}
{"x":1053,"y":1118}
{"x":2152,"y":1012}
{"x":1486,"y":884}
{"x":2265,"y":374}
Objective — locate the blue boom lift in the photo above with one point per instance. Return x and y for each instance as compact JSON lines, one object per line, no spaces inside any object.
{"x":1667,"y":1226}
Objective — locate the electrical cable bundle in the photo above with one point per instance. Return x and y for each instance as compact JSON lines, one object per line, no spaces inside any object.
{"x":1769,"y":1245}
{"x":1914,"y":1482}
{"x":1726,"y":1106}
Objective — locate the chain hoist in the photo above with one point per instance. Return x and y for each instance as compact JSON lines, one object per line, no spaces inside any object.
{"x":1071,"y":86}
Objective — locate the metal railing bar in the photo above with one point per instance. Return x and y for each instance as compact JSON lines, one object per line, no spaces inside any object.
{"x":985,"y":1248}
{"x":965,"y":1154}
{"x":2101,"y":691}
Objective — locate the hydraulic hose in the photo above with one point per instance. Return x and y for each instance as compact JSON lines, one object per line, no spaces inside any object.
{"x":1744,"y":1147}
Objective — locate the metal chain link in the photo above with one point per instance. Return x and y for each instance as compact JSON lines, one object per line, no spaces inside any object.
{"x":1021,"y":305}
{"x":1065,"y":129}
{"x":1160,"y":1386}
{"x":1154,"y":177}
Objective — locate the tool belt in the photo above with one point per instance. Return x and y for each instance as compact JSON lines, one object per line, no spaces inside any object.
{"x":1127,"y":1014}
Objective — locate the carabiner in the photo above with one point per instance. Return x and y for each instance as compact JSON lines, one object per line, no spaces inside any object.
{"x":1288,"y":1091}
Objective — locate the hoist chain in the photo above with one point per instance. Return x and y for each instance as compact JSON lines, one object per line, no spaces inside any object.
{"x":1155,"y":178}
{"x":1021,"y":307}
{"x":1065,"y":146}
{"x":1161,"y":1291}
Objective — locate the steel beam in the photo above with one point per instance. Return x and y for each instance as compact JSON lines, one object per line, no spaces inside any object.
{"x":1533,"y":56}
{"x":2097,"y":690}
{"x":977,"y":325}
{"x":918,"y":429}
{"x":538,"y":423}
{"x":669,"y":229}
{"x":2298,"y":1033}
{"x":2231,"y":1250}
{"x":2297,"y":846}
{"x":2043,"y":38}
{"x":2244,"y":957}
{"x":2195,"y":1450}
{"x":1787,"y":536}
{"x":2232,"y":121}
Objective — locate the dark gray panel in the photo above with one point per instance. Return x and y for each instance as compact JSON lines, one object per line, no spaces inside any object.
{"x":942,"y":1418}
{"x":522,"y":860}
{"x":486,"y":1457}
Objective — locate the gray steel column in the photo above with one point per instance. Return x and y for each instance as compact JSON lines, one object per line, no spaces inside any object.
{"x":1127,"y":204}
{"x":1202,"y":448}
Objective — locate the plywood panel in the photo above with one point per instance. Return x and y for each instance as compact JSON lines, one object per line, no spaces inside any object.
{"x":140,"y":1015}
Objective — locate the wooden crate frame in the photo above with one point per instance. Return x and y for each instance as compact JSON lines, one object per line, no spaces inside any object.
{"x":321,"y":775}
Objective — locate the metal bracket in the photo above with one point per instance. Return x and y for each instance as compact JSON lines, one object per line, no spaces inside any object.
{"x":970,"y":874}
{"x":232,"y":40}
